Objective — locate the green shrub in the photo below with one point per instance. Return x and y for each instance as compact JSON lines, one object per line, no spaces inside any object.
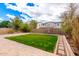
{"x":32,"y":25}
{"x":4,"y":24}
{"x":24,"y":27}
{"x":16,"y":23}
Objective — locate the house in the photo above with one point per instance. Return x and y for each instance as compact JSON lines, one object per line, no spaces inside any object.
{"x":48,"y":25}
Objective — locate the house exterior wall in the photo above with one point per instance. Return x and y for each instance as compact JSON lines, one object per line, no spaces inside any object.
{"x":49,"y":24}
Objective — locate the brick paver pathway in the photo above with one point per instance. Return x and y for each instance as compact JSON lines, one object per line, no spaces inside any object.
{"x":63,"y":48}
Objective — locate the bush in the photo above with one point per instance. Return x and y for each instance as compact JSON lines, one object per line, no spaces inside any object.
{"x":4,"y":24}
{"x":10,"y":31}
{"x":24,"y":27}
{"x":16,"y":23}
{"x":32,"y":25}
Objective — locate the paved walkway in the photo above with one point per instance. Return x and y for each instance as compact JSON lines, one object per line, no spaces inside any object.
{"x":12,"y":48}
{"x":63,"y":48}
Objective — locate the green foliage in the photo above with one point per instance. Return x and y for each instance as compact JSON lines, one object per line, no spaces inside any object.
{"x":67,"y":18}
{"x":70,"y":24}
{"x":41,"y":41}
{"x":66,"y":27}
{"x":16,"y":23}
{"x":32,"y":25}
{"x":24,"y":27}
{"x":4,"y":24}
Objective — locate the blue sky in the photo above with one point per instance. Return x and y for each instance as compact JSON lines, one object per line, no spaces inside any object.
{"x":28,"y":11}
{"x":4,"y":11}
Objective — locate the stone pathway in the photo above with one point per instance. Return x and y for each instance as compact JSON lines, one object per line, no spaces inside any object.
{"x":12,"y":48}
{"x":63,"y":48}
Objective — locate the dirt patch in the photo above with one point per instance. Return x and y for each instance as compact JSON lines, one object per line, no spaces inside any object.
{"x":6,"y":30}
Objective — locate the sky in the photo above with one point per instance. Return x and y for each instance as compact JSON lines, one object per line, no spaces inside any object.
{"x":36,"y":11}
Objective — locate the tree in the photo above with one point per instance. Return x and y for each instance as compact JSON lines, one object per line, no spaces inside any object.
{"x":70,"y":24}
{"x":16,"y":23}
{"x":33,"y":24}
{"x":67,"y":18}
{"x":24,"y":27}
{"x":4,"y":24}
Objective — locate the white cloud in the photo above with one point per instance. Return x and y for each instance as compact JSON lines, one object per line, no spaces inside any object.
{"x":9,"y":6}
{"x":40,"y":1}
{"x":10,"y":16}
{"x":44,"y":11}
{"x":26,"y":17}
{"x":21,"y":7}
{"x":46,"y":18}
{"x":50,"y":11}
{"x":1,"y":19}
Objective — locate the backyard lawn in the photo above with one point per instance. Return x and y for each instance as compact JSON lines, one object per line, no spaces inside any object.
{"x":41,"y":41}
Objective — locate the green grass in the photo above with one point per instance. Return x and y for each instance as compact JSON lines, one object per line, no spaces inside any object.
{"x":41,"y":41}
